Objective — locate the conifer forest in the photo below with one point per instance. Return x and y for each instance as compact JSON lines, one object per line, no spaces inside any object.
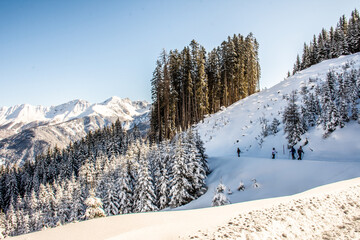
{"x":109,"y":172}
{"x":344,"y":39}
{"x":189,"y":84}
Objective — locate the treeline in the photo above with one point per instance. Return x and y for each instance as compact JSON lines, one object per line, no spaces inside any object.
{"x":330,"y":104}
{"x":189,"y":84}
{"x":343,"y":40}
{"x":116,"y":168}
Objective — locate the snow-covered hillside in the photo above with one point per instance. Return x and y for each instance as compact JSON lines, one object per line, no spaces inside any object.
{"x":325,"y":161}
{"x":27,"y":130}
{"x":329,"y":160}
{"x":239,"y":125}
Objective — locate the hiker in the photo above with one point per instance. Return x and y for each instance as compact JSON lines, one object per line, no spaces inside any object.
{"x":273,"y":153}
{"x":293,"y":151}
{"x":238,"y":152}
{"x":300,"y":152}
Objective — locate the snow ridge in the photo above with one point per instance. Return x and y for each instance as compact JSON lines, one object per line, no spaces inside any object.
{"x":26,"y":113}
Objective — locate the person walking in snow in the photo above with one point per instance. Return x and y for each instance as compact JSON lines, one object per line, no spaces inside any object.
{"x":300,"y":152}
{"x":238,"y":152}
{"x":273,"y":153}
{"x":293,"y":151}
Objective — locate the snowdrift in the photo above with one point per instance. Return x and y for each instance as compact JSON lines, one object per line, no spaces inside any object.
{"x":332,"y":210}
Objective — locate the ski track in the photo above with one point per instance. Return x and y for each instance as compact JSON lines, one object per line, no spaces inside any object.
{"x":327,"y":216}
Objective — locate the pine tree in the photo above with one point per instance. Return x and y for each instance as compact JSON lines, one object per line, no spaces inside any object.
{"x":312,"y":107}
{"x":354,"y":92}
{"x":297,"y":65}
{"x":125,"y":195}
{"x":196,"y":171}
{"x":220,"y":198}
{"x":274,"y":126}
{"x":144,"y":187}
{"x":353,"y":35}
{"x":181,"y":188}
{"x":10,"y":221}
{"x":306,"y":61}
{"x":329,"y":115}
{"x":33,"y":212}
{"x":343,"y":102}
{"x":93,"y":207}
{"x":291,"y":120}
{"x":201,"y":152}
{"x":110,"y":201}
{"x":162,"y":174}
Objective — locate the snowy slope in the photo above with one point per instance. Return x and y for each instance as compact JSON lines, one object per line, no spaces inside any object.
{"x":327,"y":212}
{"x":326,"y":161}
{"x":26,"y":130}
{"x":330,"y":160}
{"x":240,"y":122}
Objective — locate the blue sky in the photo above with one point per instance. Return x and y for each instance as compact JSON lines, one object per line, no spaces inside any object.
{"x":56,"y":51}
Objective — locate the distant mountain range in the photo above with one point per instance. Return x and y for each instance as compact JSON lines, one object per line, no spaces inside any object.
{"x":27,"y":130}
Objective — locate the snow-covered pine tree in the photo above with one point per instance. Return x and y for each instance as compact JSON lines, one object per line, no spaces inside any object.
{"x":274,"y":127}
{"x":162,"y":174}
{"x":110,"y":200}
{"x":93,"y":207}
{"x":10,"y":221}
{"x":314,"y":52}
{"x":220,"y":197}
{"x":304,"y":119}
{"x":241,"y":186}
{"x":145,"y":200}
{"x":297,"y":65}
{"x":62,"y":194}
{"x":313,"y":109}
{"x":329,"y":114}
{"x":22,"y":222}
{"x":181,"y":188}
{"x":87,"y":176}
{"x":124,"y":190}
{"x":353,"y":35}
{"x":306,"y":61}
{"x":201,"y":152}
{"x":342,"y":102}
{"x":265,"y":129}
{"x":196,"y":170}
{"x":291,"y":120}
{"x":353,"y":80}
{"x":11,"y":186}
{"x":33,"y":211}
{"x":45,"y":195}
{"x":56,"y":205}
{"x":154,"y":158}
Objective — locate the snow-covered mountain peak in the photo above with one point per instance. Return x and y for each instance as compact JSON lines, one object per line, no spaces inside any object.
{"x":27,"y":130}
{"x":67,"y":111}
{"x":115,"y":100}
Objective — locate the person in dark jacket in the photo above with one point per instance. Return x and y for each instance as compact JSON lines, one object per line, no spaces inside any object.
{"x":273,"y":153}
{"x":293,"y":151}
{"x":300,"y":152}
{"x":238,"y":152}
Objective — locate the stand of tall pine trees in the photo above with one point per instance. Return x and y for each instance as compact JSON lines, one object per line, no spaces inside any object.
{"x":189,"y":84}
